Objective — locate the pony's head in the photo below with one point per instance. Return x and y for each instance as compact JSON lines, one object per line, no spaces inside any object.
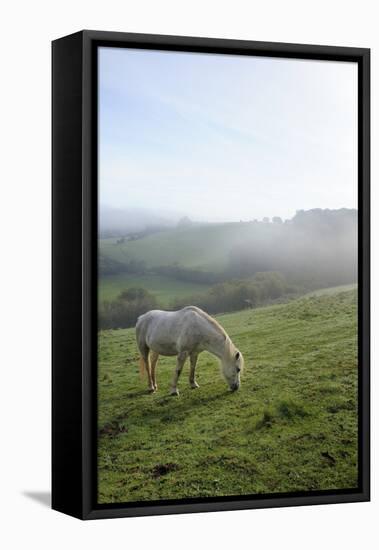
{"x":232,"y":365}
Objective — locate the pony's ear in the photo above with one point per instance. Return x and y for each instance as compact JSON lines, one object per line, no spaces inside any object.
{"x":237,"y":356}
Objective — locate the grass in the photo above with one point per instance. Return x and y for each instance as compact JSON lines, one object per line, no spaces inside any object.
{"x":165,"y":289}
{"x":332,"y":290}
{"x":292,"y":426}
{"x":197,"y":247}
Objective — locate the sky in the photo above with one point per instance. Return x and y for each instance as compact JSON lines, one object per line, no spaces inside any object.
{"x":225,"y":138}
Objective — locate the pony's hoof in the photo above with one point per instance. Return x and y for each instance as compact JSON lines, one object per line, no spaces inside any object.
{"x":151,"y":390}
{"x":194,"y":385}
{"x":175,"y":391}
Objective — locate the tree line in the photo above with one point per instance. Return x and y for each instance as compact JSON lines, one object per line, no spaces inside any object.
{"x":263,"y":288}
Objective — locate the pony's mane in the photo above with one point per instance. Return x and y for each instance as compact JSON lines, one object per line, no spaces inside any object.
{"x":210,"y":319}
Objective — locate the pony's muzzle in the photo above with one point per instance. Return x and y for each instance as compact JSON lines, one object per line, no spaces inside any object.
{"x":234,"y":386}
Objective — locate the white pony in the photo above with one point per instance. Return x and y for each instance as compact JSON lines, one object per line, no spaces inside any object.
{"x":185,"y":333}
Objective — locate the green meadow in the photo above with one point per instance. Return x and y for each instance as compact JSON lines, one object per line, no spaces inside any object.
{"x":292,"y":426}
{"x":164,"y":288}
{"x":193,"y":247}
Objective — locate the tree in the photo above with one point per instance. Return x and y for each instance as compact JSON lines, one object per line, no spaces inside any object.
{"x":124,"y":311}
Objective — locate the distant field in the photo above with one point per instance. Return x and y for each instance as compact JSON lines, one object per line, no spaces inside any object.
{"x":201,"y":247}
{"x":165,"y":289}
{"x":292,"y":426}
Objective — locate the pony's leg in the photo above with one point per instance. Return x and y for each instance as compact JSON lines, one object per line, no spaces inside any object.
{"x":153,"y":363}
{"x":146,"y":364}
{"x":181,"y":359}
{"x":193,"y":360}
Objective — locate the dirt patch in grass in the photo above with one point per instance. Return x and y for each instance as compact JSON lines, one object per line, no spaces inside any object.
{"x":113,"y":428}
{"x":163,"y":469}
{"x":330,"y":459}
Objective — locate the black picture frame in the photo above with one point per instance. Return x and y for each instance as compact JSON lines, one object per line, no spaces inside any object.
{"x":74,"y":271}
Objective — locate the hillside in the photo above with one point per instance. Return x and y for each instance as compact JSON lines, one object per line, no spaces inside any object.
{"x":200,"y":247}
{"x":291,"y":426}
{"x":165,"y":289}
{"x":316,"y":246}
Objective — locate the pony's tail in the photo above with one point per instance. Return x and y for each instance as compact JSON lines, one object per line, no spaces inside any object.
{"x":142,"y":369}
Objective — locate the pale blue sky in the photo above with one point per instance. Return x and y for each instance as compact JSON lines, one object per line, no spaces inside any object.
{"x":224,"y":138}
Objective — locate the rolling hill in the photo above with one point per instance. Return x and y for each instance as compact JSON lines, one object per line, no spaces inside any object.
{"x":315,"y":240}
{"x":292,"y":426}
{"x":165,"y":289}
{"x":201,"y":247}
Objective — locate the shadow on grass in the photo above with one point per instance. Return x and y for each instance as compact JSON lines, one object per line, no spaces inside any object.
{"x":138,"y":393}
{"x":179,"y":406}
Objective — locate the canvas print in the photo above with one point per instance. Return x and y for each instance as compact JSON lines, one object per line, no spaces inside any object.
{"x":227,"y":276}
